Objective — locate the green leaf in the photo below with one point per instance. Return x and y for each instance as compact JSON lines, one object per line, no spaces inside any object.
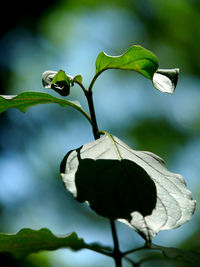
{"x":136,"y":59}
{"x":28,"y":99}
{"x":188,"y":256}
{"x":112,"y":177}
{"x":27,"y":241}
{"x":78,"y":79}
{"x":61,"y":76}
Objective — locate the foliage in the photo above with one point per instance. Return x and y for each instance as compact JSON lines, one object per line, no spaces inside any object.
{"x":118,"y":182}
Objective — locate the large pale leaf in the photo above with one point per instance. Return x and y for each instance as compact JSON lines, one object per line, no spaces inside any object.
{"x":136,"y":59}
{"x":174,"y":204}
{"x":28,"y":99}
{"x":27,"y":241}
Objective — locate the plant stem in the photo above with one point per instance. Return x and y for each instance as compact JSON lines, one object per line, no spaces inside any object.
{"x":95,"y":129}
{"x":117,"y":255}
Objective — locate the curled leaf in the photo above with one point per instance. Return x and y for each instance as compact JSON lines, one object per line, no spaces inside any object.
{"x":58,"y":81}
{"x":165,"y":80}
{"x":136,"y":58}
{"x":111,"y":177}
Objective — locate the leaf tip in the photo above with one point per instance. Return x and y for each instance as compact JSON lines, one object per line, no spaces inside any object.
{"x":165,"y":80}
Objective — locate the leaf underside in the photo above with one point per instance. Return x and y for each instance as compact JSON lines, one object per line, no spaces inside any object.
{"x":135,"y":59}
{"x":174,"y":205}
{"x":27,"y":241}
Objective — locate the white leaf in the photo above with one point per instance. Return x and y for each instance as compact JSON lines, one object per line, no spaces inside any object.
{"x":165,"y":80}
{"x":47,"y":78}
{"x":174,"y":203}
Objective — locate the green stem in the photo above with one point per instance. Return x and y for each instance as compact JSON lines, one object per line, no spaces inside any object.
{"x":95,"y":129}
{"x":117,"y":255}
{"x":93,"y":80}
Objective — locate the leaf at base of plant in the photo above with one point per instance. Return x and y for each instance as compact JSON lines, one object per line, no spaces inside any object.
{"x":110,"y":175}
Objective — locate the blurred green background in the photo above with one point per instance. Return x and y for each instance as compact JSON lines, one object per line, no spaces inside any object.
{"x":69,"y":35}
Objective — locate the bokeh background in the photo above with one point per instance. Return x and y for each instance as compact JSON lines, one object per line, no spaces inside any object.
{"x":69,"y":35}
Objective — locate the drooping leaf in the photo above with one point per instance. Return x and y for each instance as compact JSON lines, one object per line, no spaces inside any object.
{"x":136,"y":59}
{"x":58,"y":81}
{"x":187,"y":256}
{"x":27,"y":241}
{"x":165,"y":80}
{"x":174,"y":204}
{"x":143,"y":61}
{"x":28,"y":99}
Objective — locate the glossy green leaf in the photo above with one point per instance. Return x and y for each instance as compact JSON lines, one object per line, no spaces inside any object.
{"x":104,"y":173}
{"x":136,"y":59}
{"x":26,"y":100}
{"x":27,"y":241}
{"x":187,"y":256}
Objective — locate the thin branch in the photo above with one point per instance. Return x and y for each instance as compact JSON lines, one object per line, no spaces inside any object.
{"x":116,"y":252}
{"x":81,"y":85}
{"x":92,"y":114}
{"x":134,"y":250}
{"x":93,"y":81}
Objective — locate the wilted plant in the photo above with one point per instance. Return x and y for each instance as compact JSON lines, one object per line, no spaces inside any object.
{"x":119,"y":183}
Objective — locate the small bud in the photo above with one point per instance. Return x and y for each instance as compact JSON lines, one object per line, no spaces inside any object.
{"x":58,"y":81}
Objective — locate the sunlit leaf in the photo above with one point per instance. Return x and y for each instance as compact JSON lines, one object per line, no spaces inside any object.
{"x":165,"y":80}
{"x":143,"y":61}
{"x":47,"y":78}
{"x":26,"y":100}
{"x":136,"y":59}
{"x":174,"y":204}
{"x":113,"y":188}
{"x":27,"y":241}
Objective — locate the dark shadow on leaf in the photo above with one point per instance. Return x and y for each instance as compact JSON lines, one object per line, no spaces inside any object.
{"x":114,"y":188}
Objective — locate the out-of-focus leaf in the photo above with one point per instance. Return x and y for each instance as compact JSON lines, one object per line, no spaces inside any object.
{"x":26,"y":100}
{"x":191,"y":257}
{"x":136,"y":58}
{"x":27,"y":241}
{"x":155,"y":134}
{"x":165,"y":80}
{"x":174,"y":204}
